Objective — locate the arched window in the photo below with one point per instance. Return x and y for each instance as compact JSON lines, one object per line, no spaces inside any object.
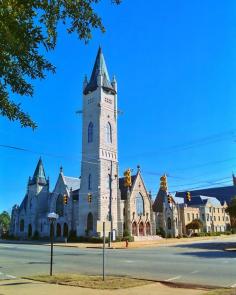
{"x":60,"y":206}
{"x":90,"y":222}
{"x":90,"y":132}
{"x":139,"y":204}
{"x":90,"y":181}
{"x":108,"y":133}
{"x":22,"y":225}
{"x":169,"y":223}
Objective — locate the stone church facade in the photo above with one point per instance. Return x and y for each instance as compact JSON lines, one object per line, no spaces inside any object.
{"x":99,"y":194}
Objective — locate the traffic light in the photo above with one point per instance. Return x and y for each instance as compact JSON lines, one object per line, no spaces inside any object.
{"x":89,"y":198}
{"x":65,"y":199}
{"x":188,"y":196}
{"x":169,"y":199}
{"x":163,"y":184}
{"x":128,"y":181}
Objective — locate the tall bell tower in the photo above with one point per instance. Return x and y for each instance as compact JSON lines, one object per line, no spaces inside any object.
{"x":99,"y":167}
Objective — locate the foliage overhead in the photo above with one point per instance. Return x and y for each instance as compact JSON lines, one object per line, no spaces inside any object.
{"x":195,"y":224}
{"x":27,"y":30}
{"x":4,"y":221}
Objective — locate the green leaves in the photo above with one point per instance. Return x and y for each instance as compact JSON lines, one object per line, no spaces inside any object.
{"x":28,"y":27}
{"x":4,"y":221}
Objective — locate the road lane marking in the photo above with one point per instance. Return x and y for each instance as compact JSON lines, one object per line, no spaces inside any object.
{"x":172,"y":279}
{"x":195,"y":271}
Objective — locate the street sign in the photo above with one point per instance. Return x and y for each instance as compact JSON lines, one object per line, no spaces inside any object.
{"x":100,"y":227}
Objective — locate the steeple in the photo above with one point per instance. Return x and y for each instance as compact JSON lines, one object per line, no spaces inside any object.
{"x":99,"y":72}
{"x":39,"y":176}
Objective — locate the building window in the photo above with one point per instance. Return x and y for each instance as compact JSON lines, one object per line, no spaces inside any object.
{"x":90,"y":181}
{"x":203,"y":216}
{"x":108,"y":133}
{"x":90,"y":132}
{"x":214,"y":218}
{"x":192,"y":216}
{"x":214,"y":210}
{"x":139,"y":205}
{"x":219,"y":218}
{"x":218,"y":210}
{"x":207,"y":217}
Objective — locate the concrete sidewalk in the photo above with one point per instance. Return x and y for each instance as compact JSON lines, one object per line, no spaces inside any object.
{"x":27,"y":287}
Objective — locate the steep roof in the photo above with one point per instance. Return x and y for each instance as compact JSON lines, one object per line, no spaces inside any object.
{"x":223,"y":194}
{"x":39,"y":174}
{"x":72,"y":182}
{"x":23,"y":204}
{"x":99,"y":68}
{"x":159,"y":201}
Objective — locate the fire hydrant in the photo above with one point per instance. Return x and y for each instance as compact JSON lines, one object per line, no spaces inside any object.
{"x":126,"y":243}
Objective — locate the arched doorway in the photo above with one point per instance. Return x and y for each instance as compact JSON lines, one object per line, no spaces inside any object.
{"x":29,"y":231}
{"x":22,"y":225}
{"x":58,"y":230}
{"x":134,"y":229}
{"x":65,"y":230}
{"x":148,"y":229}
{"x":141,"y":229}
{"x":90,"y":222}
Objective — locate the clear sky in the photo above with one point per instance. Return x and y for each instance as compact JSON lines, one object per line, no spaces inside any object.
{"x":175,"y":64}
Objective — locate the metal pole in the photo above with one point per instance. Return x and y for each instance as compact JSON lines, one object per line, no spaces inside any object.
{"x":52,"y":235}
{"x":103,"y":253}
{"x":110,"y":213}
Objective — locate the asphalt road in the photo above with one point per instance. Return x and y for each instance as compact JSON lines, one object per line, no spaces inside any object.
{"x":203,"y":262}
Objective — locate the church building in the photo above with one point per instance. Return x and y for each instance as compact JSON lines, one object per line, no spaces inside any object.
{"x":99,"y":194}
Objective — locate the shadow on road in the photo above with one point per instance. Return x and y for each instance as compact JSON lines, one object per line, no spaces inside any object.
{"x":214,"y":250}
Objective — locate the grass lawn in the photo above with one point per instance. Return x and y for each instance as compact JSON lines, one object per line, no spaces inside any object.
{"x":93,"y":282}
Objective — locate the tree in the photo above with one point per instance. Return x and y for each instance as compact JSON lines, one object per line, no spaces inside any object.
{"x":28,"y":29}
{"x":231,"y":210}
{"x":195,"y":224}
{"x":5,"y":220}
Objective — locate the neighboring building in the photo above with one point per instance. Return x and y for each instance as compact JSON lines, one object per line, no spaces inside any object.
{"x":99,"y":195}
{"x":173,"y":214}
{"x":223,"y":193}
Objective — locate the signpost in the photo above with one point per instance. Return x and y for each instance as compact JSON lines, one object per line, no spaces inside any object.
{"x":103,"y":228}
{"x":52,"y":217}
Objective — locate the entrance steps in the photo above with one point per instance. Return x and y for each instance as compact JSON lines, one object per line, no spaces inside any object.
{"x":147,"y":238}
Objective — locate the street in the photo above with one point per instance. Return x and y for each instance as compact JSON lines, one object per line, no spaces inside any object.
{"x":203,"y":262}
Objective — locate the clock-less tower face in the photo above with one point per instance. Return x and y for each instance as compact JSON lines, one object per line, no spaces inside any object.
{"x":99,"y":167}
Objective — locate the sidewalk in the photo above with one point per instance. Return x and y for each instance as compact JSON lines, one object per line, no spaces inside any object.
{"x":141,"y":244}
{"x":27,"y":287}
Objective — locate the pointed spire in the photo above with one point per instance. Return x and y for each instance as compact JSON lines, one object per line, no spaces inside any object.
{"x":99,"y":72}
{"x":39,"y":174}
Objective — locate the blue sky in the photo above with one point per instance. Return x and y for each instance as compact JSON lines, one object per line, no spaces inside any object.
{"x":175,"y":63}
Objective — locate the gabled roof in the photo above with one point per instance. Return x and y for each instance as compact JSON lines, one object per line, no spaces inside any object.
{"x":72,"y":183}
{"x":23,"y":204}
{"x":159,"y":201}
{"x":99,"y":68}
{"x":39,"y":174}
{"x":223,"y":194}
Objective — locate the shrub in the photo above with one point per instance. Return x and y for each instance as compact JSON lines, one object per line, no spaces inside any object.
{"x":35,"y":236}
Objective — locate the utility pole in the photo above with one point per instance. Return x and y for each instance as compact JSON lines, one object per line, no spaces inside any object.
{"x":110,"y":206}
